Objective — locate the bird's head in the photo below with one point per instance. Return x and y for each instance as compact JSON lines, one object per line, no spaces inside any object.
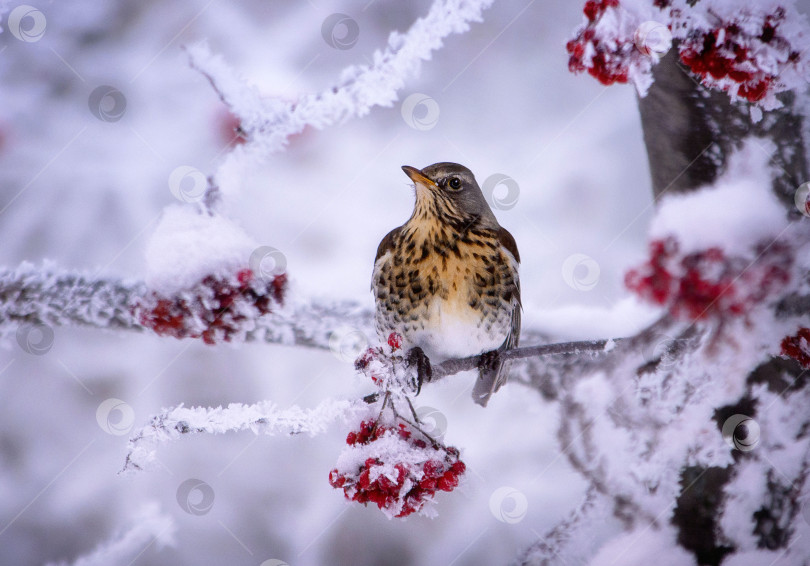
{"x":450,"y":190}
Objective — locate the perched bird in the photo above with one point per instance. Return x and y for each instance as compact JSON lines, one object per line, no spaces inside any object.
{"x":447,"y":279}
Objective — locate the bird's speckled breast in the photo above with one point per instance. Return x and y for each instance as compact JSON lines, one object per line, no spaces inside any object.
{"x":449,"y":294}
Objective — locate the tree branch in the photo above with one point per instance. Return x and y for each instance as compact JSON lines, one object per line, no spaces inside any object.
{"x":453,"y":366}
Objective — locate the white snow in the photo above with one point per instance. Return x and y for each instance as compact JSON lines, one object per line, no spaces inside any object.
{"x":738,"y":212}
{"x":149,"y":526}
{"x":86,"y":194}
{"x":640,"y":547}
{"x":189,"y":244}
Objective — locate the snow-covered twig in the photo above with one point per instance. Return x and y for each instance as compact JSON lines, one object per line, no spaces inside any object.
{"x":269,"y":122}
{"x":47,"y":295}
{"x":149,"y":527}
{"x":261,"y":418}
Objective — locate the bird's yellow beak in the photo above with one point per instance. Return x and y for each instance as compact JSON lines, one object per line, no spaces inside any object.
{"x":417,"y":176}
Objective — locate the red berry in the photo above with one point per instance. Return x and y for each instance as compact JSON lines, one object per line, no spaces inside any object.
{"x":395,"y":341}
{"x":798,"y":347}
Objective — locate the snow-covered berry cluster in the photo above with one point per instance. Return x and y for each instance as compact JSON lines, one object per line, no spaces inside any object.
{"x":798,"y":347}
{"x":604,"y":55}
{"x":751,"y":51}
{"x":386,"y":366}
{"x":217,"y":309}
{"x":708,"y":283}
{"x":397,"y":467}
{"x":741,"y":51}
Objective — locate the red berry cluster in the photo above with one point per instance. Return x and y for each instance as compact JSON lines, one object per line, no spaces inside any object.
{"x":730,"y":52}
{"x":217,"y":309}
{"x":708,"y":283}
{"x":401,"y":487}
{"x":798,"y":347}
{"x":609,"y":60}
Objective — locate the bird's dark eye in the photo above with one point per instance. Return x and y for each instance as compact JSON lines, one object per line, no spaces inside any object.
{"x":455,"y":183}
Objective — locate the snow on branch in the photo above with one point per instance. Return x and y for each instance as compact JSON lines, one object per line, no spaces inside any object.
{"x":149,"y":526}
{"x":268,"y":122}
{"x":260,"y":418}
{"x":47,"y":295}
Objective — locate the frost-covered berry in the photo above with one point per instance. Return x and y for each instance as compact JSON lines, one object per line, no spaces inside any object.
{"x":396,"y":468}
{"x":705,"y":284}
{"x":798,"y":347}
{"x":395,"y":341}
{"x":752,"y":52}
{"x":217,"y":309}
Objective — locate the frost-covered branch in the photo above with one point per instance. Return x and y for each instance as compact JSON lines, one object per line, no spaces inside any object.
{"x":62,"y":298}
{"x":695,"y":434}
{"x":47,"y":295}
{"x":149,"y":527}
{"x":261,"y":418}
{"x":269,"y":122}
{"x":450,"y":367}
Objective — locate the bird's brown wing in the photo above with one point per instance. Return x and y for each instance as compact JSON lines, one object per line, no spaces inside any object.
{"x":507,"y":241}
{"x":491,"y":379}
{"x":387,"y":242}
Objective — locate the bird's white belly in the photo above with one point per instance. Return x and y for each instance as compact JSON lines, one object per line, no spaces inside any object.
{"x":451,"y":331}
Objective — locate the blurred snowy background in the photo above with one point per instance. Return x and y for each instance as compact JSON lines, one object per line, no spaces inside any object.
{"x":87,"y":194}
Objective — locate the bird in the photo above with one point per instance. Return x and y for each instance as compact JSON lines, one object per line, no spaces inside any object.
{"x":447,"y":279}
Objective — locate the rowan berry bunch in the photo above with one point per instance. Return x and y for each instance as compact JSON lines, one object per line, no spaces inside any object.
{"x":217,"y":309}
{"x":750,"y":52}
{"x":395,"y":466}
{"x":605,"y":58}
{"x":743,"y":55}
{"x":708,"y":283}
